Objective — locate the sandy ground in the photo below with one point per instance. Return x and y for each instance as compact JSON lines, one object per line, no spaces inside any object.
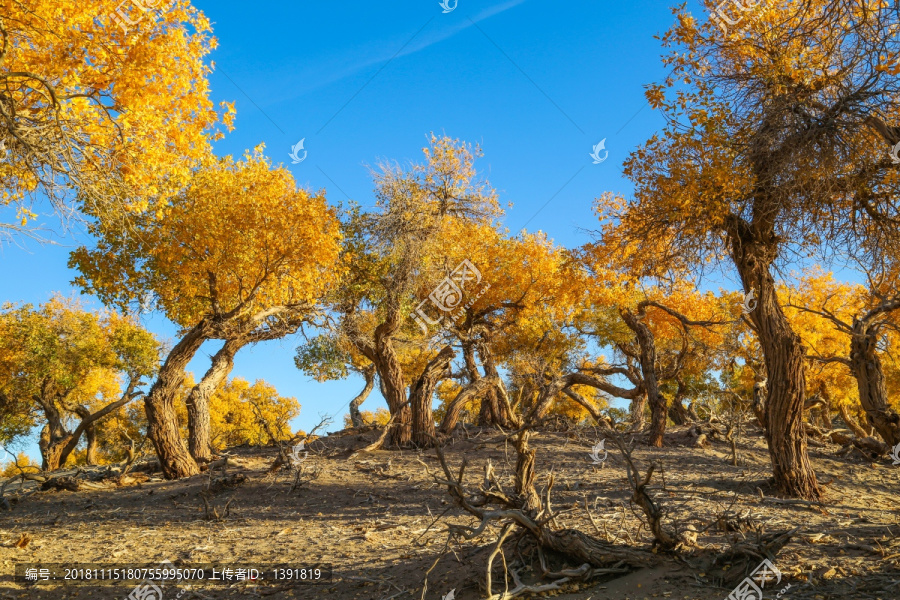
{"x":380,"y":521}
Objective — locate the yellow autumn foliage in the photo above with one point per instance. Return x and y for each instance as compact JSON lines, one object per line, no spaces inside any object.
{"x":121,"y":113}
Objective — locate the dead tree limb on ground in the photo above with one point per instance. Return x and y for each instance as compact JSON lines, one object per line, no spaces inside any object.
{"x":666,"y":538}
{"x":492,"y":505}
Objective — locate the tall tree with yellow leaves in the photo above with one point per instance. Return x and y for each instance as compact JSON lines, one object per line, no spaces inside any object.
{"x":72,"y":363}
{"x":845,"y":326}
{"x":389,"y":251}
{"x":240,"y":255}
{"x":116,"y":115}
{"x":766,"y":152}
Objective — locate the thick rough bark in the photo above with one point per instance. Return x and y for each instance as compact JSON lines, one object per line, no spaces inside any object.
{"x":636,"y":410}
{"x":647,"y":344}
{"x":421,"y":395}
{"x":454,"y":408}
{"x":760,"y":392}
{"x":57,"y":447}
{"x":785,"y":360}
{"x":53,"y":456}
{"x":393,"y":384}
{"x":355,"y":414}
{"x":525,"y":473}
{"x":851,"y":422}
{"x":493,"y":412}
{"x":197,"y":402}
{"x":159,"y":404}
{"x":54,"y":434}
{"x":90,"y":436}
{"x":866,"y":366}
{"x":677,"y":412}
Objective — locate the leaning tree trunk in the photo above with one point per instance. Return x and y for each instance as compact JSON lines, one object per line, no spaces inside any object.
{"x":785,"y":360}
{"x":494,"y":412}
{"x":869,"y":373}
{"x":55,"y":455}
{"x":677,"y":412}
{"x":159,"y":405}
{"x":421,"y":395}
{"x":393,"y":384}
{"x":197,"y":402}
{"x":56,"y":448}
{"x":636,"y":410}
{"x":355,"y":415}
{"x":647,"y":344}
{"x":525,"y":473}
{"x":851,"y":423}
{"x":54,"y":434}
{"x":471,"y":391}
{"x":90,"y":436}
{"x":825,"y":414}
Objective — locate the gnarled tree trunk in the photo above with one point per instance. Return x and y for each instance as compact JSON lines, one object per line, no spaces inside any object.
{"x":159,"y":404}
{"x":54,"y":434}
{"x":421,"y":395}
{"x":197,"y":402}
{"x":90,"y":436}
{"x":636,"y":412}
{"x":785,"y":360}
{"x":493,"y":411}
{"x":677,"y":412}
{"x":647,"y":344}
{"x":56,"y":448}
{"x":53,"y":456}
{"x":525,"y":473}
{"x":355,"y":415}
{"x":867,"y":368}
{"x":393,"y":384}
{"x":454,"y":408}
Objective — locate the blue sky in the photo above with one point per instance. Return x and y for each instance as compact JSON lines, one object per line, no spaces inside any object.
{"x":536,"y":83}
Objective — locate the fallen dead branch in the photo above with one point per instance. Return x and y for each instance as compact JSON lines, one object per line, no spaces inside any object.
{"x":666,"y":538}
{"x":492,"y":505}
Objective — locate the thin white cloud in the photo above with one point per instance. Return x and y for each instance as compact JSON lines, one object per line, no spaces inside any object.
{"x":450,"y":32}
{"x":324,"y":72}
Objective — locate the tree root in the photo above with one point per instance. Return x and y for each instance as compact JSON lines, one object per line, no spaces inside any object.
{"x":583,"y":548}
